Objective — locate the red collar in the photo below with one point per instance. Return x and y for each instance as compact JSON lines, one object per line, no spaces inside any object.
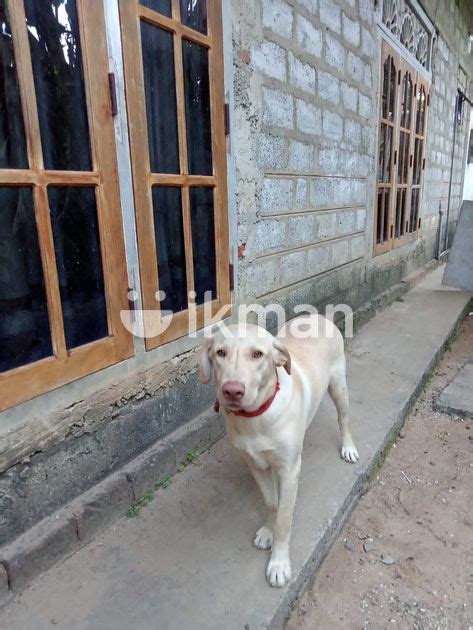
{"x":257,"y":412}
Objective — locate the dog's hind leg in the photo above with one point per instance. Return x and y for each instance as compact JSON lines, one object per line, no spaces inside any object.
{"x":338,"y":391}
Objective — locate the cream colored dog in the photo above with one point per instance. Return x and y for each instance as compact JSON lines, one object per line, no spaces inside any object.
{"x":269,"y":389}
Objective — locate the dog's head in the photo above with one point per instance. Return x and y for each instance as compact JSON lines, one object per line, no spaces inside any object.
{"x":243,"y":363}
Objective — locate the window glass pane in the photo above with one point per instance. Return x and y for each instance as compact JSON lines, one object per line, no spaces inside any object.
{"x":389,"y":154}
{"x":400,"y":156}
{"x":400,"y":212}
{"x":414,"y":210}
{"x":384,"y":95}
{"x":194,"y":14}
{"x":387,"y":193}
{"x":408,"y":102}
{"x":160,"y":93}
{"x":420,"y":117}
{"x":161,"y":6}
{"x":24,"y":323}
{"x":379,"y":219}
{"x":79,"y":263}
{"x":169,"y":232}
{"x":402,"y":219}
{"x":203,"y":242}
{"x":12,"y":134}
{"x":382,"y":140}
{"x":417,"y":161}
{"x":420,"y":111}
{"x":392,"y":91}
{"x":403,"y":101}
{"x":53,"y":33}
{"x":405,"y":159}
{"x":197,"y":100}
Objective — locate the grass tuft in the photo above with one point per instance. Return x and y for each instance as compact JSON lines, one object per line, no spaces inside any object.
{"x":134,"y":510}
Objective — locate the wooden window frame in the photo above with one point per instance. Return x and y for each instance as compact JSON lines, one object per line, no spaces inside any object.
{"x":131,"y":14}
{"x":404,"y":68}
{"x":30,"y":380}
{"x":421,"y":84}
{"x":419,"y":81}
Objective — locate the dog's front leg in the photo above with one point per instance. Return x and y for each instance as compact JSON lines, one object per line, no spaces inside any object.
{"x":264,"y":477}
{"x":278,"y":571}
{"x":267,"y":484}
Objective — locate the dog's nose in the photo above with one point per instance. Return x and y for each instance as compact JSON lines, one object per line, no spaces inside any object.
{"x":233,"y":390}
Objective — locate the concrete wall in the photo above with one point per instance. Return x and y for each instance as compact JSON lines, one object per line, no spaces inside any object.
{"x":304,"y":141}
{"x":302,"y":79}
{"x":306,"y":93}
{"x":452,"y":69}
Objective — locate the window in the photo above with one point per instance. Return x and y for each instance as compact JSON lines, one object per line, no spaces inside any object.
{"x":62,"y":263}
{"x":177,"y":137}
{"x":401,"y":139}
{"x":407,"y":23}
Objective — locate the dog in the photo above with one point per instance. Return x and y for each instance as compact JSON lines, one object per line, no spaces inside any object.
{"x":269,"y":389}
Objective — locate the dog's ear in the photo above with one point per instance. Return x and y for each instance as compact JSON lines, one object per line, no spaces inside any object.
{"x":205,"y":364}
{"x":281,"y":355}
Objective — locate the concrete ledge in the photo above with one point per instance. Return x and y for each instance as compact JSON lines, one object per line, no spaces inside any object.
{"x":79,"y":521}
{"x":188,"y":561}
{"x":457,"y":397}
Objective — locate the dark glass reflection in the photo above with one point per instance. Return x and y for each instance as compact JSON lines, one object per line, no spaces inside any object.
{"x":161,"y":6}
{"x":409,"y":103}
{"x":420,"y":111}
{"x":402,"y":137}
{"x":194,"y":14}
{"x":197,"y":100}
{"x":53,"y":33}
{"x":203,"y":241}
{"x":405,"y":160}
{"x":387,"y":192}
{"x":379,"y":218}
{"x":414,"y":210}
{"x":79,"y":263}
{"x":12,"y":134}
{"x":392,"y":91}
{"x":24,"y":324}
{"x":406,"y":101}
{"x":389,"y":154}
{"x":382,"y":140}
{"x":400,"y":211}
{"x":169,"y":233}
{"x":417,"y":161}
{"x":384,"y":95}
{"x":160,"y":93}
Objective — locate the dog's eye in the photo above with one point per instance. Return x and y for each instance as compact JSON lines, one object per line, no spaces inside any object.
{"x":221,"y":353}
{"x":257,"y":354}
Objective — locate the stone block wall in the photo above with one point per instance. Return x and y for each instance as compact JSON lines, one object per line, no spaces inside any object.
{"x":451,"y":64}
{"x":306,"y":92}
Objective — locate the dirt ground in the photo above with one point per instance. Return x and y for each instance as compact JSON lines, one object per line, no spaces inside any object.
{"x":405,"y":557}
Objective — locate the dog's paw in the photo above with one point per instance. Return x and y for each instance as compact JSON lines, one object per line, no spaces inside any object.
{"x":349,"y":454}
{"x":263,"y":538}
{"x":278,"y":572}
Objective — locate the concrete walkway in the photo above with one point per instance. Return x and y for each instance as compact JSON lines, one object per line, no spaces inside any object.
{"x":187,"y":560}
